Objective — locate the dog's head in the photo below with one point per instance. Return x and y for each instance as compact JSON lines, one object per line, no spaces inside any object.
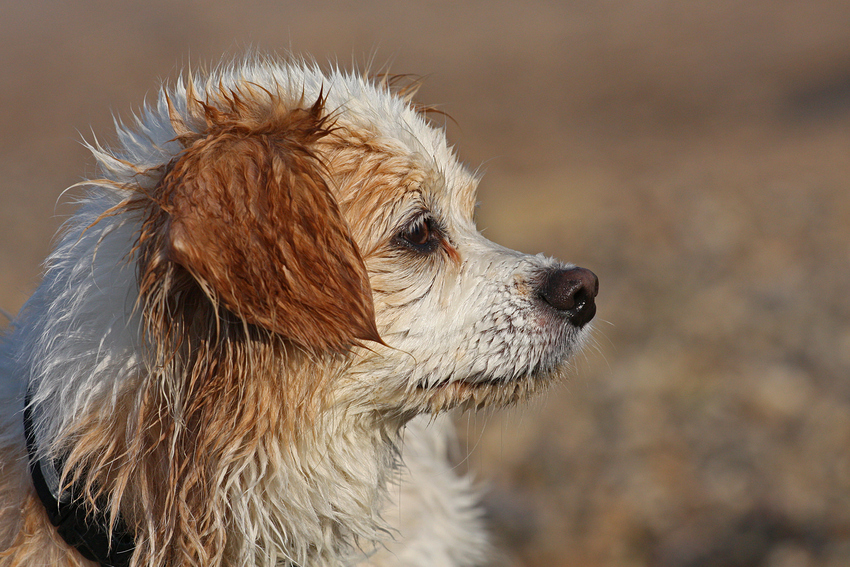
{"x":307,"y":272}
{"x":337,"y":219}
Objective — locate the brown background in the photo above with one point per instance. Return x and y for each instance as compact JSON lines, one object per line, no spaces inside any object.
{"x":696,"y":155}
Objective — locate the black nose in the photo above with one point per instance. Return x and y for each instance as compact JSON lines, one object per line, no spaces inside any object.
{"x":571,"y":292}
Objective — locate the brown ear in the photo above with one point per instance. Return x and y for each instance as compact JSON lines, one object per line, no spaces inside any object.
{"x":252,"y":219}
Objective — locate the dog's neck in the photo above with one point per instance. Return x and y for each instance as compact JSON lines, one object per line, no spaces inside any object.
{"x":321,"y":503}
{"x":314,"y":499}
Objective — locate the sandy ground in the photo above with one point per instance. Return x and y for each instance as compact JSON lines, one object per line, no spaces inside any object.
{"x":695,"y":155}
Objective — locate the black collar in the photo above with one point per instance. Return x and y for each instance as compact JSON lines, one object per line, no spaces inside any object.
{"x":82,"y":529}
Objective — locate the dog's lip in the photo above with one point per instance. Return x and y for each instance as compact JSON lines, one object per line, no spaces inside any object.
{"x":497,"y":391}
{"x":483,"y":379}
{"x":460,"y":384}
{"x":479,"y":380}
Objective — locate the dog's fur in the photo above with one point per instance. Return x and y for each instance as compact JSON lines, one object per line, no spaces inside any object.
{"x":277,"y":271}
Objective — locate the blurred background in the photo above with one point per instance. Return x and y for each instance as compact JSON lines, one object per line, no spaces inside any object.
{"x":695,"y":155}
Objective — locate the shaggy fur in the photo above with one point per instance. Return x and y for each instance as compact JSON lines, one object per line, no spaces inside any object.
{"x":276,"y":273}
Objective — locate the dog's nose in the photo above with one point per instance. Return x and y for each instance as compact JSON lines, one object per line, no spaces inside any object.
{"x":571,"y":291}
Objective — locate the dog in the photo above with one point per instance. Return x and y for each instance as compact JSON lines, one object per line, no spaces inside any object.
{"x":250,"y":331}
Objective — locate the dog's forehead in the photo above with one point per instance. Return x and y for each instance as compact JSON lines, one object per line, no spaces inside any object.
{"x":412,"y":164}
{"x":402,"y":129}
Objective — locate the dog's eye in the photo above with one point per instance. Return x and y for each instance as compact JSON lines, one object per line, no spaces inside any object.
{"x":421,"y":235}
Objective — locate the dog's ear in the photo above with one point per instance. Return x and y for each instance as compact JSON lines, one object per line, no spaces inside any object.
{"x":251,"y":217}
